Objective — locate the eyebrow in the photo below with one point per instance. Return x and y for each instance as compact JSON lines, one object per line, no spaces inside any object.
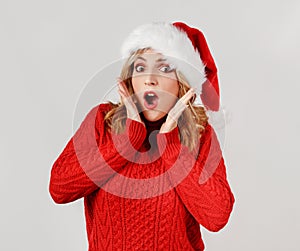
{"x":158,"y":60}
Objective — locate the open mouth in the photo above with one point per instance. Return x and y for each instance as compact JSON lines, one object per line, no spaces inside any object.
{"x":151,"y":100}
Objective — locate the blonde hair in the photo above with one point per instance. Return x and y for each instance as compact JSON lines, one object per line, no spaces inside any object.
{"x":192,"y":121}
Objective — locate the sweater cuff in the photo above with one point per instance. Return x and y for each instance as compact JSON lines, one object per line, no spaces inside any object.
{"x":169,"y":144}
{"x":128,"y":142}
{"x":136,"y":132}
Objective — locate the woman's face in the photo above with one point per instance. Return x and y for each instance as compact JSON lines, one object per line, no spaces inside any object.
{"x":155,"y":84}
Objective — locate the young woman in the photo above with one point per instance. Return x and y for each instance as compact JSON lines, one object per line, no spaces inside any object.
{"x":150,"y":168}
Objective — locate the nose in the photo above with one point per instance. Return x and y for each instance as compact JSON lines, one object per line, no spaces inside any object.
{"x":151,"y":80}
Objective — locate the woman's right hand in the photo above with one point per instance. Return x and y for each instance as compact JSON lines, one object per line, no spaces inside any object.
{"x":132,"y":111}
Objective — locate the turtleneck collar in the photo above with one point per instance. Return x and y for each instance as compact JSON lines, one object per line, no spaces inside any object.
{"x":152,"y":128}
{"x":153,"y":125}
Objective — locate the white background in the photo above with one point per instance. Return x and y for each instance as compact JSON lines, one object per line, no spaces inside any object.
{"x":50,"y":49}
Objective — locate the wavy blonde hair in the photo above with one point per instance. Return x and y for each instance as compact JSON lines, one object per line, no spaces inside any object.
{"x":192,"y":121}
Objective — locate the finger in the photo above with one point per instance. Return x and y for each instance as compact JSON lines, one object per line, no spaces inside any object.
{"x":187,"y":96}
{"x":121,"y":86}
{"x":122,"y":94}
{"x":123,"y":91}
{"x":181,"y":104}
{"x":124,"y":88}
{"x":126,"y":97}
{"x":177,"y":110}
{"x":123,"y":98}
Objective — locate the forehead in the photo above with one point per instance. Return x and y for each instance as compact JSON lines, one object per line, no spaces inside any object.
{"x":150,"y":55}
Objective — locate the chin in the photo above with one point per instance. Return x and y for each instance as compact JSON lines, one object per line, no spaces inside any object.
{"x":152,"y":115}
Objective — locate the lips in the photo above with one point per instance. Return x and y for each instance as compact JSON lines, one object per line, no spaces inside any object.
{"x":150,"y":100}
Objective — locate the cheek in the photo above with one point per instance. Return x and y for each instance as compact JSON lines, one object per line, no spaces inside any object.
{"x":172,"y":87}
{"x":138,"y":88}
{"x":135,"y":84}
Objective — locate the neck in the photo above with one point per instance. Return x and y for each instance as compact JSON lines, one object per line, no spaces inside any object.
{"x":153,"y":125}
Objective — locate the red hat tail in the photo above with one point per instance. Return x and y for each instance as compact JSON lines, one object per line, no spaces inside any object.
{"x":210,"y":89}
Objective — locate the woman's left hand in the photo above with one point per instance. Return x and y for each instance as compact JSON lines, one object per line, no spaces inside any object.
{"x":176,"y":111}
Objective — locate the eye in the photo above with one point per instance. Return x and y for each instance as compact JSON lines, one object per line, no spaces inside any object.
{"x":166,"y":68}
{"x":139,"y":68}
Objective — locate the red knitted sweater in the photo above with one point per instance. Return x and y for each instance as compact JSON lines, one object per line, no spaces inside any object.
{"x":124,"y":215}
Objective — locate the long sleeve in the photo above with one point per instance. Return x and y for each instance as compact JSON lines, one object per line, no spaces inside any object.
{"x":91,"y":157}
{"x":204,"y":189}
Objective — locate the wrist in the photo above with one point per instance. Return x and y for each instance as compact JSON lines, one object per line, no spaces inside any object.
{"x":167,"y":127}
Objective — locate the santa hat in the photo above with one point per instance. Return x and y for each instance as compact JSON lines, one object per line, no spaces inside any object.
{"x":187,"y":49}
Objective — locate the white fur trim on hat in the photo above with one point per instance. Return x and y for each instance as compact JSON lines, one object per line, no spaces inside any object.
{"x":173,"y":43}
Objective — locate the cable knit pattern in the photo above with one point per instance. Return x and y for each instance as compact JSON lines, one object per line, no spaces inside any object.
{"x":168,"y":220}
